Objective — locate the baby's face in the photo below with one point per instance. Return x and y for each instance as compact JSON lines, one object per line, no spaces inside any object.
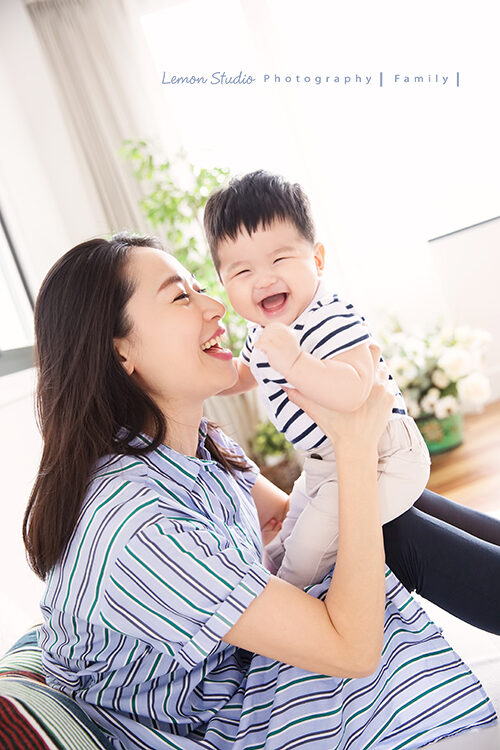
{"x":271,"y":275}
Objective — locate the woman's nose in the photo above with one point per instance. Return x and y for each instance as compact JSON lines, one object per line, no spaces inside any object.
{"x":213,"y":308}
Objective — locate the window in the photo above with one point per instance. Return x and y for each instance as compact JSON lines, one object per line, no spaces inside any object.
{"x":16,"y":309}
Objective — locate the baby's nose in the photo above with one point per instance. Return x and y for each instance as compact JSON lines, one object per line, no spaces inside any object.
{"x":266,"y":279}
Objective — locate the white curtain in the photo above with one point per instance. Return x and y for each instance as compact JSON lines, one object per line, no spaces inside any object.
{"x":93,"y":50}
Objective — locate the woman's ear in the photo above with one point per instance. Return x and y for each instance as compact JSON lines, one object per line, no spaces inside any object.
{"x":319,"y":257}
{"x":124,"y":354}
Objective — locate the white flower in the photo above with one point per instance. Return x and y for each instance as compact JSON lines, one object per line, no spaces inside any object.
{"x":482,"y":338}
{"x":413,"y":409}
{"x":402,"y":369}
{"x":464,"y":334}
{"x":414,"y":347}
{"x":440,"y":379}
{"x":446,"y":406}
{"x":474,"y":388}
{"x":447,"y":332}
{"x":430,"y":400}
{"x":456,"y":362}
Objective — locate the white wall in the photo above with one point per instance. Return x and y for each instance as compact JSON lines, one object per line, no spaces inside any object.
{"x":44,"y":187}
{"x":48,"y":207}
{"x":468,"y":263}
{"x":20,"y":446}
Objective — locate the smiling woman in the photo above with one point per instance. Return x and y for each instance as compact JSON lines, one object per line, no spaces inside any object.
{"x":173,"y":322}
{"x":160,"y":617}
{"x":121,"y":341}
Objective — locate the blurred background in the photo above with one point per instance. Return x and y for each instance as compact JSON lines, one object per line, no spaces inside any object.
{"x":403,"y":179}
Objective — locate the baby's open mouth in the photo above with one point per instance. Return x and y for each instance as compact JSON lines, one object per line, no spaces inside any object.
{"x":275,"y":302}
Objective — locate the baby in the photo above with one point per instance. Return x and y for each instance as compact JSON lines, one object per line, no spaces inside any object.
{"x":301,"y":335}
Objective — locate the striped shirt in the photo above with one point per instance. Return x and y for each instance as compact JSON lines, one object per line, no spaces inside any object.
{"x":326,"y":328}
{"x":165,"y":557}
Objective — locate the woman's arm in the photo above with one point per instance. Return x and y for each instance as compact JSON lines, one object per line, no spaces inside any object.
{"x":270,"y":501}
{"x":341,"y":636}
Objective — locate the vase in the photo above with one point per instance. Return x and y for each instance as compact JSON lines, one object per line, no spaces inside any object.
{"x":441,"y":435}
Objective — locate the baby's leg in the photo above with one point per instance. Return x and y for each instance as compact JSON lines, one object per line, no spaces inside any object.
{"x":308,"y":542}
{"x":403,"y":467}
{"x":311,"y":546}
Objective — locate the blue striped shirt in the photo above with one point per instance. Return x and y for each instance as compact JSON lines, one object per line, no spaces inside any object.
{"x":327,"y":327}
{"x":165,"y":557}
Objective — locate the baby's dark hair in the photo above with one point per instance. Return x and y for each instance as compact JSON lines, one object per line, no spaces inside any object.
{"x":254,"y":200}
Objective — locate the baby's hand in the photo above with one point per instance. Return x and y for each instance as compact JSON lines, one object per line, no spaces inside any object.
{"x":270,"y":530}
{"x":280,"y":346}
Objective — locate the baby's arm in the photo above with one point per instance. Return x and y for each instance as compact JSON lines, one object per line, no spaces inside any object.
{"x":245,"y":382}
{"x":342,"y":383}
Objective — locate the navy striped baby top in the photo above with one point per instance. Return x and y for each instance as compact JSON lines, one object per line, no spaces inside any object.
{"x":327,"y":327}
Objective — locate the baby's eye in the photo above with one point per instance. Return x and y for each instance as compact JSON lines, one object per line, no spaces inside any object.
{"x":201,"y":291}
{"x":277,"y":259}
{"x":245,"y":270}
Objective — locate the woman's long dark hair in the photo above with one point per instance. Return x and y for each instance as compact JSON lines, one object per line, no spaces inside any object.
{"x":84,"y":394}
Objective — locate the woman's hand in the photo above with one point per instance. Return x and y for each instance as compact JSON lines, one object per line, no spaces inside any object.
{"x":359,"y":428}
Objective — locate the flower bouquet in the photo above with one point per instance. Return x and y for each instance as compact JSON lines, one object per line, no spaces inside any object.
{"x":439,"y":373}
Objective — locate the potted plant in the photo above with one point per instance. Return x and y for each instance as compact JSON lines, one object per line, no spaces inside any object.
{"x":275,"y":455}
{"x":439,"y":373}
{"x":269,"y":445}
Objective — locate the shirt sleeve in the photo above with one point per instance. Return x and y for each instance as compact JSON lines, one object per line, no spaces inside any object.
{"x":181,"y":587}
{"x":333,"y":327}
{"x":246,"y":350}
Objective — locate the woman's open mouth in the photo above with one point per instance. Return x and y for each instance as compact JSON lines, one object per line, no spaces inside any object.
{"x":214,"y":349}
{"x":274,"y":304}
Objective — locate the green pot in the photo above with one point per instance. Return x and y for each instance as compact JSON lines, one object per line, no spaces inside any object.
{"x":442,"y":435}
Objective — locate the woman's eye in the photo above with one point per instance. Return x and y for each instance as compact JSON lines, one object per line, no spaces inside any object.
{"x":186,"y":295}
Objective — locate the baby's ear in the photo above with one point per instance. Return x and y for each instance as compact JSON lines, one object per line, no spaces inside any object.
{"x":319,"y":256}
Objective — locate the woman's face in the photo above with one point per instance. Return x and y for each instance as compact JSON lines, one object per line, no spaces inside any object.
{"x":172,"y":319}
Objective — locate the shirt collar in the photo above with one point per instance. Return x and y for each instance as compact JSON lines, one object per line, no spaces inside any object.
{"x":191,"y":463}
{"x":321,"y":293}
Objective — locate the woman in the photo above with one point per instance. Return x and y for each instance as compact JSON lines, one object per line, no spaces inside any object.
{"x":159,"y":617}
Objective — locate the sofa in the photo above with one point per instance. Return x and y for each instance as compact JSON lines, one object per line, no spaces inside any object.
{"x":34,"y":716}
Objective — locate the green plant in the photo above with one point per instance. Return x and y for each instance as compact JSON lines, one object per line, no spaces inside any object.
{"x":175,"y":193}
{"x":267,"y":441}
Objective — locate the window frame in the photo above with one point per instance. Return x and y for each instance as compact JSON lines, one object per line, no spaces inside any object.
{"x":21,"y":358}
